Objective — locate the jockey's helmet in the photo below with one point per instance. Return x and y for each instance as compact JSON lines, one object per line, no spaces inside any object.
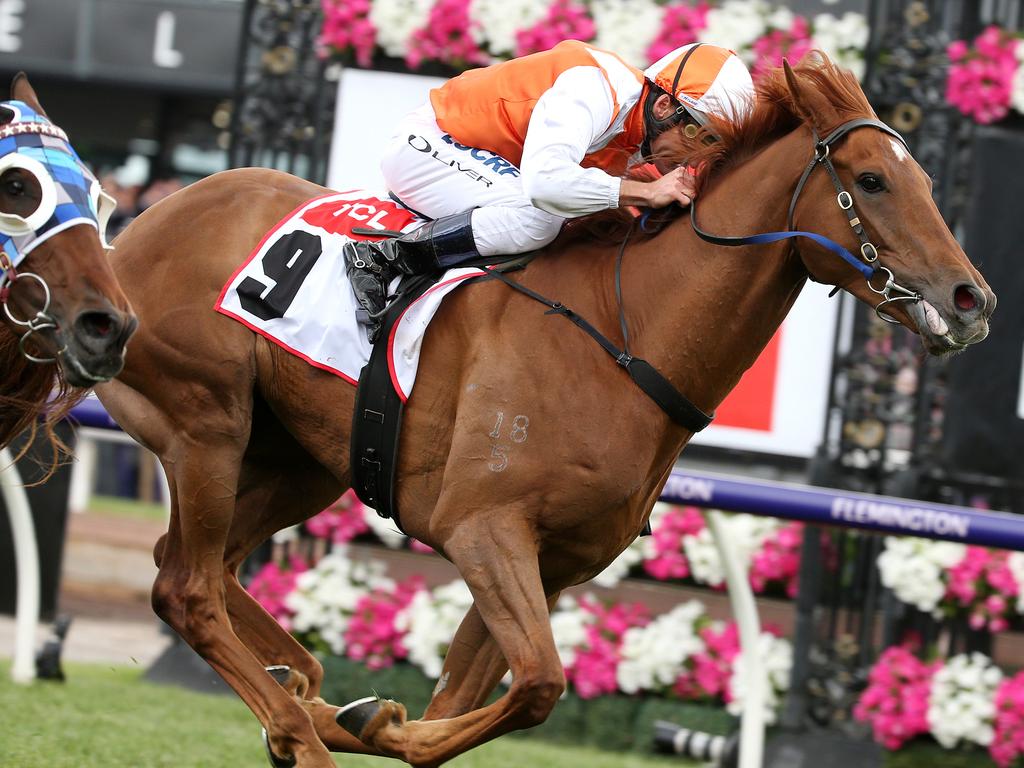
{"x":704,"y":79}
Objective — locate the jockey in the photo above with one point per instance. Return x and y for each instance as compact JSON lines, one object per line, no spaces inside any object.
{"x":501,"y":156}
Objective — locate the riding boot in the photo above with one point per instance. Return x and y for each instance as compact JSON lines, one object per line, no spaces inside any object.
{"x":434,"y":247}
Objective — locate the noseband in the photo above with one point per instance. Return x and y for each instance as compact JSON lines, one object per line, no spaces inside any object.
{"x":41,"y":321}
{"x":891,"y":291}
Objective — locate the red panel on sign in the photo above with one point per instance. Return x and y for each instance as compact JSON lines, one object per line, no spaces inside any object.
{"x":750,"y":404}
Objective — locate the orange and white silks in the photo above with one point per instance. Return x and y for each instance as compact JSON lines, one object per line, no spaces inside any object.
{"x":491,"y":108}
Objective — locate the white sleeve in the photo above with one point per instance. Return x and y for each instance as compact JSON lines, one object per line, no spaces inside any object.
{"x":567,"y":119}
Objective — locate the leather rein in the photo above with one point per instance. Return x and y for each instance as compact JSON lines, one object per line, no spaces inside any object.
{"x":891,"y":292}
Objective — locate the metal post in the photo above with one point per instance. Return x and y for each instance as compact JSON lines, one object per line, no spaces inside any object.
{"x":745,"y":610}
{"x":26,"y":555}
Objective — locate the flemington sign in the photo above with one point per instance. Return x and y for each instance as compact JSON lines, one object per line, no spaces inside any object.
{"x":825,"y":506}
{"x":186,"y":44}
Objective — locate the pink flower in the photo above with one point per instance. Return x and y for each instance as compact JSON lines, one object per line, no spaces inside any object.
{"x":681,"y":24}
{"x":371,"y":635}
{"x":983,"y":584}
{"x":980,"y":81}
{"x":895,"y":703}
{"x":566,"y":20}
{"x":271,"y":584}
{"x":446,"y":38}
{"x":346,"y":28}
{"x":778,"y":44}
{"x":1007,"y":746}
{"x":341,"y":522}
{"x":709,"y":672}
{"x":593,"y":670}
{"x":778,"y":560}
{"x":669,"y":561}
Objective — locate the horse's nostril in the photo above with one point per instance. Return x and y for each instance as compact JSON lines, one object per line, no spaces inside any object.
{"x":98,"y":325}
{"x":967,"y":298}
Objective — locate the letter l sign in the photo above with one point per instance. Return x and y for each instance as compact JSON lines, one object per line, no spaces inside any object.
{"x":164,"y":54}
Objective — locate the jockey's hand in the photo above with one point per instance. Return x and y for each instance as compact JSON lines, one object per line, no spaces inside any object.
{"x":676,"y":186}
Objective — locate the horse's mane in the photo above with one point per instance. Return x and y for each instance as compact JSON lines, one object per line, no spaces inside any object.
{"x":725,"y":143}
{"x":35,"y":397}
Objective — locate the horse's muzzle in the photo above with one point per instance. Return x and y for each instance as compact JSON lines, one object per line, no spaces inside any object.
{"x":95,"y":346}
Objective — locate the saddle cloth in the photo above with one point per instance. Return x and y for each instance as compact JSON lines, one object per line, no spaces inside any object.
{"x":292,"y":289}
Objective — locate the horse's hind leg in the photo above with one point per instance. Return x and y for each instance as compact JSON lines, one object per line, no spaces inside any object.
{"x":190,"y":594}
{"x":497,"y":556}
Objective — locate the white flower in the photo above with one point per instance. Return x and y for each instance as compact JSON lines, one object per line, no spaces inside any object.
{"x":326,"y":595}
{"x":776,"y":656}
{"x":652,"y":657}
{"x":745,"y":534}
{"x":430,"y":621}
{"x":1015,"y":561}
{"x":619,"y":567}
{"x":1017,"y":94}
{"x":962,"y":700}
{"x":384,"y":528}
{"x":843,"y":39}
{"x":627,"y":27}
{"x":396,"y":20}
{"x":781,"y":18}
{"x":494,"y":23}
{"x":736,"y":25}
{"x":569,"y":626}
{"x":915,"y":569}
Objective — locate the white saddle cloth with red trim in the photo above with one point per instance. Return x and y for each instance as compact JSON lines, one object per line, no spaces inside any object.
{"x":293,"y":289}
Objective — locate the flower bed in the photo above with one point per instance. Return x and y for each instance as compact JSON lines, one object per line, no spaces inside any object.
{"x":348,"y":607}
{"x":618,"y":656}
{"x":464,"y":33}
{"x":964,"y":701}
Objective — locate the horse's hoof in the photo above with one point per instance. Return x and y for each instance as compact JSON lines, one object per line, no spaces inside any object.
{"x":354,"y":717}
{"x":280,"y":672}
{"x":275,"y":761}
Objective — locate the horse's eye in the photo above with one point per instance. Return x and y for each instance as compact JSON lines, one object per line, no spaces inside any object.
{"x":15,"y":187}
{"x":870,"y":183}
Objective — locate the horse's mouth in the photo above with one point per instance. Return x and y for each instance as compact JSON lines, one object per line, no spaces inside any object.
{"x":934,"y":330}
{"x":98,"y":370}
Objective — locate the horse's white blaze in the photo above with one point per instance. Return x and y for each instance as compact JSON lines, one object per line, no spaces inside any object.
{"x":901,"y":152}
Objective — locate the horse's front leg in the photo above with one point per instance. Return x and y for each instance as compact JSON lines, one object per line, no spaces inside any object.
{"x":190,"y":593}
{"x":496,"y":552}
{"x":473,"y":667}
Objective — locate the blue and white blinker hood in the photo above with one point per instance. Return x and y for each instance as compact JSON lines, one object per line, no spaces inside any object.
{"x":71,"y":195}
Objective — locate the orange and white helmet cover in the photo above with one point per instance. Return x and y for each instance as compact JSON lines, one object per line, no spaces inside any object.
{"x":706,"y":79}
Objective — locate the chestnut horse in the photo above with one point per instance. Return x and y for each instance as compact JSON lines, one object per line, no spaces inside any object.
{"x":65,"y":321}
{"x":253,"y":439}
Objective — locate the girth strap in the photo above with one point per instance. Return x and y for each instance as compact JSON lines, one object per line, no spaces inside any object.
{"x":646,"y":376}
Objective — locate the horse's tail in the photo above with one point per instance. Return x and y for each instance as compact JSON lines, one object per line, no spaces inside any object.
{"x":33,"y":397}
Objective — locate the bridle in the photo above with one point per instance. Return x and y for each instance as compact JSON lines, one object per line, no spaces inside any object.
{"x":891,"y":291}
{"x":41,"y":321}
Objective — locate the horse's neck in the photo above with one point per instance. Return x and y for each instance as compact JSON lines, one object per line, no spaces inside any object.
{"x":702,"y":313}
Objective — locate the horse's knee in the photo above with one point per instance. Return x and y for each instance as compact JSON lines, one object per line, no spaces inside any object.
{"x":166,"y":599}
{"x":533,"y":699}
{"x":158,"y":550}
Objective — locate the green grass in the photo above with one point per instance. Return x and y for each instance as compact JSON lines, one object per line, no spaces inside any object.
{"x":117,"y":506}
{"x":108,"y":717}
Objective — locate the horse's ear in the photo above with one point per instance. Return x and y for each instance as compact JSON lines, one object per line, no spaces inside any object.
{"x":21,"y":90}
{"x":814,"y":108}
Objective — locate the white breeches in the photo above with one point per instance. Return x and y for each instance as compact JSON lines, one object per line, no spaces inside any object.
{"x":436,"y":176}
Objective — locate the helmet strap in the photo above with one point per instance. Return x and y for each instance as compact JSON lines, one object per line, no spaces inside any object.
{"x":654,"y":126}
